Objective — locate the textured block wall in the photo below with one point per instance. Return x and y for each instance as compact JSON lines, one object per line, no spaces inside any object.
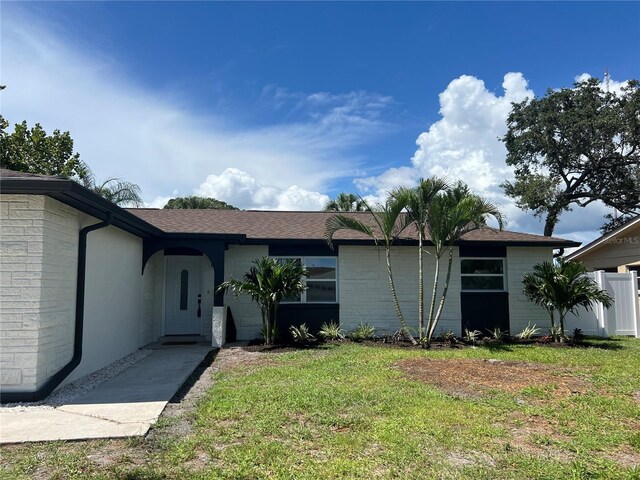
{"x":38,"y":264}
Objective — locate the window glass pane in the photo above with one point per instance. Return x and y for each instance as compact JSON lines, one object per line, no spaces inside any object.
{"x":321,"y":268}
{"x":282,"y":260}
{"x":184,"y":289}
{"x":321,"y":291}
{"x":482,"y":283}
{"x":482,"y":266}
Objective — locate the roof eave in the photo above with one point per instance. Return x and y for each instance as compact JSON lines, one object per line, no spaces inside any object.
{"x":80,"y":198}
{"x":603,"y":239}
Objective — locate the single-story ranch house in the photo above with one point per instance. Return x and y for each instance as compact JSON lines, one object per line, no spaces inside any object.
{"x":85,"y":282}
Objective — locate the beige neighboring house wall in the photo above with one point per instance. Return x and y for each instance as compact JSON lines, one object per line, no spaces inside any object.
{"x":618,"y":250}
{"x":39,"y":245}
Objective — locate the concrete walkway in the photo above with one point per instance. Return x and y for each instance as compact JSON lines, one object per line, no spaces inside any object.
{"x":123,"y":406}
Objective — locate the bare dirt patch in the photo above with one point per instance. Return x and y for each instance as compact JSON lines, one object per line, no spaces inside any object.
{"x":476,"y":377}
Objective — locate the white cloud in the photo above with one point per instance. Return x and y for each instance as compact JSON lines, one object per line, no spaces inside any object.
{"x":153,"y":139}
{"x":614,"y":86}
{"x":238,"y":188}
{"x":464,"y":144}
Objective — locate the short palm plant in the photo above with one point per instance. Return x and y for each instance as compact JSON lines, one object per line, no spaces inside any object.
{"x":562,"y":288}
{"x":269,"y":282}
{"x":331,"y":331}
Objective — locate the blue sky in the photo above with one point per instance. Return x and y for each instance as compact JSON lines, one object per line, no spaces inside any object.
{"x":276,"y":105}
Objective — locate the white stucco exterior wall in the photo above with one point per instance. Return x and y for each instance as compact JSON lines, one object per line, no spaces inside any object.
{"x":521,"y":260}
{"x":38,"y":264}
{"x":153,"y":299}
{"x":208,"y":289}
{"x":246,"y":314}
{"x":365,"y":295}
{"x":113,"y":320}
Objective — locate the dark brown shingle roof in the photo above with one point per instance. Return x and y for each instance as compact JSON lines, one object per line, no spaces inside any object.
{"x":4,"y":172}
{"x":277,"y":225}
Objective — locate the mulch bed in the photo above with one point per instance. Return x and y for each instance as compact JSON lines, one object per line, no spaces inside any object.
{"x":476,"y":377}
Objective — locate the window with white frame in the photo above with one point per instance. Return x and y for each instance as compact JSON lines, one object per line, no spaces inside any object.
{"x":483,"y":274}
{"x":321,"y":281}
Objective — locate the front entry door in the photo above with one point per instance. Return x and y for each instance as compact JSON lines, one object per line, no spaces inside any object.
{"x":184,"y":279}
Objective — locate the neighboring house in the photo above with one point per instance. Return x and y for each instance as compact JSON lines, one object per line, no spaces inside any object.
{"x":616,"y":251}
{"x":612,"y":257}
{"x":85,"y":282}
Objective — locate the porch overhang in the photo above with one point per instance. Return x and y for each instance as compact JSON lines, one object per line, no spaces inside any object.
{"x":213,"y":246}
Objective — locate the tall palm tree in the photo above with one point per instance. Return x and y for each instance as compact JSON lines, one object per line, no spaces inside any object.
{"x":116,"y":190}
{"x":450,"y":215}
{"x":388,"y":223}
{"x":418,"y":200}
{"x":562,"y":287}
{"x":268,"y":282}
{"x":346,"y":202}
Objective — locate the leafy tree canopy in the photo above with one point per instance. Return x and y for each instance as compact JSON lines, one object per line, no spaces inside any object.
{"x":198,"y":203}
{"x":613,"y":222}
{"x":575,"y":146}
{"x":346,"y":202}
{"x":31,"y":150}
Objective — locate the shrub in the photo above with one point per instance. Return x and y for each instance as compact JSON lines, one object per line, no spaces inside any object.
{"x":331,"y":331}
{"x":364,"y":331}
{"x":301,"y":334}
{"x":528,"y":332}
{"x":577,"y":335}
{"x":498,"y":334}
{"x":471,"y":336}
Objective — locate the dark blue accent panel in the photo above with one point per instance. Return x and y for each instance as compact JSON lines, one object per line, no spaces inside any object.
{"x":484,"y":310}
{"x":302,"y":250}
{"x":313,"y":314}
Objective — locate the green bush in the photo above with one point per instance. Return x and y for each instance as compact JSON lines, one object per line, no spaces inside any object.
{"x":301,"y":334}
{"x":331,"y":331}
{"x":364,"y":331}
{"x":528,"y":332}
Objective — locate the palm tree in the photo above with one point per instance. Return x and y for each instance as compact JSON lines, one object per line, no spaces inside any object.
{"x":418,"y":200}
{"x":389,"y":222}
{"x":562,"y":287}
{"x":450,"y":215}
{"x":116,"y":190}
{"x":346,"y":202}
{"x":268,"y":282}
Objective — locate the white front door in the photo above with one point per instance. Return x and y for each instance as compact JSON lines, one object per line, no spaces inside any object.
{"x":184,"y":280}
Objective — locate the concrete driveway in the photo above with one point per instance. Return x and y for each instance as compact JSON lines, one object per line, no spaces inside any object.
{"x":124,"y":406}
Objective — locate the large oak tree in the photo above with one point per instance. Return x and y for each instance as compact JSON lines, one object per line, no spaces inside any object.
{"x":575,"y":146}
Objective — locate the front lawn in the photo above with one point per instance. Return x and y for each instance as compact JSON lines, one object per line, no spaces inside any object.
{"x":354,"y":411}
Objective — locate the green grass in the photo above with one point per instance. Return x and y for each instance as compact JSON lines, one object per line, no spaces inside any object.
{"x":349,"y":412}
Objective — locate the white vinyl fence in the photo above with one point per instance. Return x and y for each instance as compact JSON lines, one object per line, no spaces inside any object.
{"x":623,"y":318}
